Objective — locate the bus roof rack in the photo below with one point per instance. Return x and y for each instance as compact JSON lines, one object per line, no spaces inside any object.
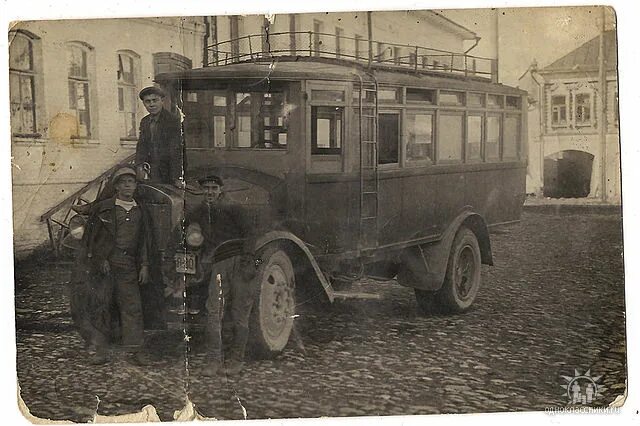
{"x":261,"y":47}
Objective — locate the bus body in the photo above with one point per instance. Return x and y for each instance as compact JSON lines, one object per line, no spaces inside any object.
{"x":353,"y":171}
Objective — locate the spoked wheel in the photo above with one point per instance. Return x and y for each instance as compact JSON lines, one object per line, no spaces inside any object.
{"x":272,"y":316}
{"x":462,"y":279}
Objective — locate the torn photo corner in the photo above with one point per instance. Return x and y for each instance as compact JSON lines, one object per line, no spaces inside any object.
{"x":336,"y":214}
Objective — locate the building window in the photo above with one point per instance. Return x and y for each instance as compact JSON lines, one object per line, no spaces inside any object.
{"x":559,"y":110}
{"x":22,"y":84}
{"x":79,"y":88}
{"x":339,"y":35}
{"x":583,"y":109}
{"x":326,"y":129}
{"x":420,"y":136}
{"x":127,"y":77}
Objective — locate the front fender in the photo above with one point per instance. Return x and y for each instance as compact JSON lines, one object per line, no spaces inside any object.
{"x":285,"y":236}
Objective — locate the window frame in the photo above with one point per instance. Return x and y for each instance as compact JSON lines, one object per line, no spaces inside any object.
{"x":87,"y":81}
{"x":499,"y":116}
{"x":589,"y":105}
{"x":334,"y":130}
{"x":518,"y":139}
{"x":33,"y":74}
{"x":453,"y":113}
{"x":133,"y":87}
{"x":481,"y":115}
{"x":419,"y":161}
{"x":552,"y":111}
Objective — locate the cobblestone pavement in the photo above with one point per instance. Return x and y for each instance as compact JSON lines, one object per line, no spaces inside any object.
{"x":553,"y":303}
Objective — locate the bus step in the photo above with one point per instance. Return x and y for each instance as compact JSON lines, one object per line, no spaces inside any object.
{"x":368,"y":217}
{"x":369,"y":116}
{"x":356,"y":295}
{"x":369,"y":192}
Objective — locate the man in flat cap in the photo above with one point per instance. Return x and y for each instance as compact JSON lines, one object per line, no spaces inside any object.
{"x":112,"y":265}
{"x":159,"y":153}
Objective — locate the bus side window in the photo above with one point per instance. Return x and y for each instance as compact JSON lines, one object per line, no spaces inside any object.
{"x":420,"y":136}
{"x":389,"y":138}
{"x":450,"y":132}
{"x":326,"y":129}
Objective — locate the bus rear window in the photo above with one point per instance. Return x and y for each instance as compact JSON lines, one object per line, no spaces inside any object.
{"x":492,"y":144}
{"x":326,"y":129}
{"x":511,"y":137}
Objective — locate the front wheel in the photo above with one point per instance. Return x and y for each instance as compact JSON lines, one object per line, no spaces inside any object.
{"x":462,"y":279}
{"x":273,"y":312}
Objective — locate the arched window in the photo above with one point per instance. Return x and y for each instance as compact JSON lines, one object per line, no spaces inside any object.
{"x":128,"y":78}
{"x":79,"y":80}
{"x":22,"y":80}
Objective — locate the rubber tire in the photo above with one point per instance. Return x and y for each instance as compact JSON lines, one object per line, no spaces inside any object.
{"x":268,"y":337}
{"x":447,"y":299}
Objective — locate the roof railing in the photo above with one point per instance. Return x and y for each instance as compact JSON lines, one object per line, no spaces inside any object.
{"x":260,"y":47}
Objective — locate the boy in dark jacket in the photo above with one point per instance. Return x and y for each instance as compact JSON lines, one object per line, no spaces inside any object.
{"x":232,"y":287}
{"x":114,"y":263}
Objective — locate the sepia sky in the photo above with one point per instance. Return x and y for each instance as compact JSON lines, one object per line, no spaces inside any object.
{"x":544,"y":34}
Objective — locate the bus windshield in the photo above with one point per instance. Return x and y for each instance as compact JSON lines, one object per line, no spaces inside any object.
{"x":235,"y":119}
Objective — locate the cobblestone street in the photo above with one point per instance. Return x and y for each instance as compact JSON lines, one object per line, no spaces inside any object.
{"x":552,"y":304}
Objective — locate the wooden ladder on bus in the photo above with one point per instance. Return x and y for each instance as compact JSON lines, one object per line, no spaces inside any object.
{"x":369,"y":184}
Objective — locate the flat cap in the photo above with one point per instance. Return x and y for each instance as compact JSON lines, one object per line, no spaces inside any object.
{"x":211,"y":178}
{"x":151,"y":90}
{"x":126,"y":170}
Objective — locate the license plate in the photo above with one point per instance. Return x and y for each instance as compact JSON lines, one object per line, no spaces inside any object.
{"x":185,"y":263}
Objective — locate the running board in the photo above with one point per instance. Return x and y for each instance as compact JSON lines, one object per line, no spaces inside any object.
{"x":355,"y":295}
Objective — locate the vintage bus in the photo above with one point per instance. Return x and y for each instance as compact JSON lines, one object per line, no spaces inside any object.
{"x":352,"y":168}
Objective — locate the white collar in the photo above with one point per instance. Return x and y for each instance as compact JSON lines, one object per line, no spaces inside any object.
{"x":127,"y":205}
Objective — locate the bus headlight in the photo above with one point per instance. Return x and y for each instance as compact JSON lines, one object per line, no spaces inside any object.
{"x":76,"y":227}
{"x":194,"y":235}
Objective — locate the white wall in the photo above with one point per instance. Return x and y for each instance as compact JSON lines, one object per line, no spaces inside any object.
{"x":47,"y":169}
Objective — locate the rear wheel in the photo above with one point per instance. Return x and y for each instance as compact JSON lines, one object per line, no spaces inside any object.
{"x":272,"y":315}
{"x":462,"y":279}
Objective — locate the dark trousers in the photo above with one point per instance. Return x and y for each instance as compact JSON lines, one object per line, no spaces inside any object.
{"x":235,"y":295}
{"x":127,"y":302}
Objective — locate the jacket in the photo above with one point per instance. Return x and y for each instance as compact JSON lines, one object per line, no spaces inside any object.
{"x":165,"y":150}
{"x":99,"y":238}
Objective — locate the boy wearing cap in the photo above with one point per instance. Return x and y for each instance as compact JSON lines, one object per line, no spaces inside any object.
{"x":160,"y":141}
{"x":115,"y":249}
{"x":235,"y":291}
